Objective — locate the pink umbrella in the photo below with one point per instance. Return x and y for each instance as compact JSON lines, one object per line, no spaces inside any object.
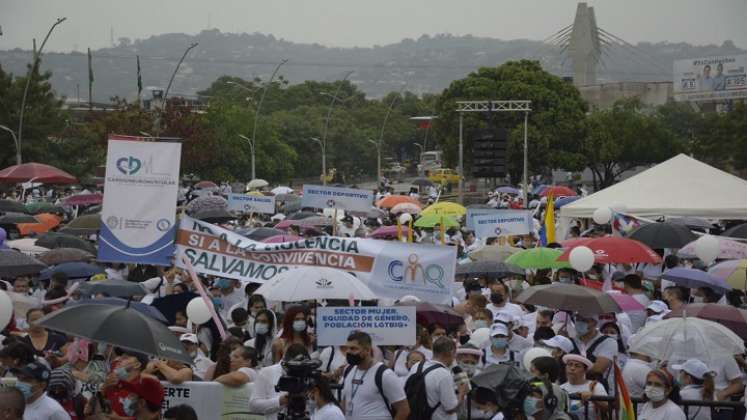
{"x":205,"y":185}
{"x":36,"y":172}
{"x":388,"y":232}
{"x":727,"y":249}
{"x":83,"y":199}
{"x":626,"y":302}
{"x":277,"y":239}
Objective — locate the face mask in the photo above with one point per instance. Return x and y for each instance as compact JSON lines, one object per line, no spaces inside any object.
{"x":261,"y":328}
{"x":121,"y":373}
{"x":25,"y":389}
{"x":353,"y":359}
{"x":564,"y":279}
{"x":467,"y":368}
{"x":496,"y":298}
{"x":582,"y":328}
{"x":654,"y":393}
{"x":129,"y":407}
{"x":463,"y":339}
{"x":299,"y":325}
{"x":480,"y":323}
{"x":530,"y":406}
{"x":217,"y":303}
{"x":499,"y":342}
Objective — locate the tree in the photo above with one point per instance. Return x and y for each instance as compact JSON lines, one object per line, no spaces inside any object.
{"x":555,"y":122}
{"x":623,"y":137}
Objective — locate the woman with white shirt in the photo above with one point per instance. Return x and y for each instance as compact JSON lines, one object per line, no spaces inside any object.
{"x":697,"y":385}
{"x":659,"y":406}
{"x":264,"y":329}
{"x":325,"y":403}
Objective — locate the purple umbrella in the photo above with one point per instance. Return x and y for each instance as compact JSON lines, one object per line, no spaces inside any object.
{"x":627,"y":302}
{"x":507,"y":190}
{"x":388,"y":232}
{"x":689,"y":277}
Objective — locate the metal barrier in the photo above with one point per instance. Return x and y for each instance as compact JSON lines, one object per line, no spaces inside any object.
{"x":733,"y":406}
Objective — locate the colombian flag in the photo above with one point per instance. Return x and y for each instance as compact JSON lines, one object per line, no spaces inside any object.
{"x":627,"y":412}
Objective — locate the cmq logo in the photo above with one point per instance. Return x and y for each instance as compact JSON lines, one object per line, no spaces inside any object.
{"x":414,"y":272}
{"x":129,"y":165}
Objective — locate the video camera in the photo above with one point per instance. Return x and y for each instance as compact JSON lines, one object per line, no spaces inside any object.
{"x":301,"y":375}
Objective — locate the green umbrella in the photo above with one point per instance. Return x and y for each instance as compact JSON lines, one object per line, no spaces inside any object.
{"x":538,"y":258}
{"x":44,"y":207}
{"x":432,"y":220}
{"x":83,"y":225}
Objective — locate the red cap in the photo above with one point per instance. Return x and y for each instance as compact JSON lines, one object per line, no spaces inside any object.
{"x":149,"y":389}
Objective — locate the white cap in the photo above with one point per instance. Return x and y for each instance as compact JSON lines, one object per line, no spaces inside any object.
{"x":190,"y":338}
{"x":279,"y":216}
{"x":180,"y":330}
{"x":498,"y":329}
{"x":694,"y":368}
{"x":658,"y":306}
{"x":559,"y":342}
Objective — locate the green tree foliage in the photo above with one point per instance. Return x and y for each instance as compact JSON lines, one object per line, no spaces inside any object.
{"x":556,"y":123}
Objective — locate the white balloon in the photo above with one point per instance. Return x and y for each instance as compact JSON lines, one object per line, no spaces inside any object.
{"x":197,"y":311}
{"x":534,"y":353}
{"x":707,"y":248}
{"x":405,"y":218}
{"x":581,"y":258}
{"x":6,"y":309}
{"x":480,"y":337}
{"x":602,"y":215}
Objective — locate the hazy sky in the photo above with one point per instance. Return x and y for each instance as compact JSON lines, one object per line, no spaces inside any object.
{"x":365,"y":23}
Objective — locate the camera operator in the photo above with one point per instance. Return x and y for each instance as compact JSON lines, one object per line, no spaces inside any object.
{"x":327,"y":407}
{"x":265,"y":399}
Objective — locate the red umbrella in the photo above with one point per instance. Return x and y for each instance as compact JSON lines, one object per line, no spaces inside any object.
{"x":205,"y":185}
{"x":388,"y":232}
{"x":557,"y":191}
{"x":36,"y":172}
{"x":571,"y":243}
{"x":84,"y":199}
{"x":730,"y":317}
{"x":616,"y":250}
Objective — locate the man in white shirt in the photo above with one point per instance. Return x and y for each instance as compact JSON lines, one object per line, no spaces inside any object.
{"x":266,"y":399}
{"x":634,"y":287}
{"x":32,"y":382}
{"x":499,"y":300}
{"x":439,"y":383}
{"x":361,"y":397}
{"x":516,"y":342}
{"x":598,"y":348}
{"x":200,"y":362}
{"x":634,"y":373}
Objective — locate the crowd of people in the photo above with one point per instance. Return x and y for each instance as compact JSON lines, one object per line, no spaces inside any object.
{"x":565,"y":362}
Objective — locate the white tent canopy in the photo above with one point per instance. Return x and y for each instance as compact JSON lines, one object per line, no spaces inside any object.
{"x":680,"y":186}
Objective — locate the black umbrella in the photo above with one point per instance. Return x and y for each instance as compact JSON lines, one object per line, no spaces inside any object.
{"x":171,"y":304}
{"x":149,"y":310}
{"x":112,"y":287}
{"x":488,"y":268}
{"x":301,"y":215}
{"x":15,"y":218}
{"x":692,"y":222}
{"x":569,"y":297}
{"x":738,"y":231}
{"x":119,"y":326}
{"x":263,"y":233}
{"x":54,"y":240}
{"x":83,"y":225}
{"x":664,"y":235}
{"x":508,"y":383}
{"x":14,"y":264}
{"x":215,"y":216}
{"x":10,"y":206}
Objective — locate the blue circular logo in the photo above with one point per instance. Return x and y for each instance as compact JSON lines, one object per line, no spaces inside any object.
{"x":163,"y":225}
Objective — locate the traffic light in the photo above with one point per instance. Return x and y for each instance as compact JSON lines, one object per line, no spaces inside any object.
{"x":489,"y":153}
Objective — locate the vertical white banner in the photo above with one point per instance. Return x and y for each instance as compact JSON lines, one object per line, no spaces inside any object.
{"x":140,"y":192}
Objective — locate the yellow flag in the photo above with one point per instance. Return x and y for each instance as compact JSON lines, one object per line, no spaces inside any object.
{"x":399,"y":230}
{"x":443,"y":231}
{"x":409,"y":232}
{"x":550,"y":219}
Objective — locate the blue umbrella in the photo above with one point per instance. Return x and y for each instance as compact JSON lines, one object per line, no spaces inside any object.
{"x":73,"y":270}
{"x":507,"y":190}
{"x":560,"y":202}
{"x":138,"y":306}
{"x":689,"y":277}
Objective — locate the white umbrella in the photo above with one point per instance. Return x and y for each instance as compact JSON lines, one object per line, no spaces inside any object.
{"x":679,"y":339}
{"x":257,"y":183}
{"x":314,"y":283}
{"x":27,"y":246}
{"x":281,"y":190}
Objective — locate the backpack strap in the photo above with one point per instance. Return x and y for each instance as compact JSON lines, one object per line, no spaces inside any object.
{"x":345,"y":373}
{"x":433,"y":409}
{"x":593,"y":346}
{"x":331,"y":356}
{"x":379,"y":379}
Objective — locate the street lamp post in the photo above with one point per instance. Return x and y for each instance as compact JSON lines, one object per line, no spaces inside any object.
{"x":36,"y":58}
{"x":383,"y":126}
{"x":251,"y":148}
{"x":259,"y":108}
{"x":323,"y":141}
{"x":323,"y":145}
{"x":168,"y":88}
{"x":15,"y":141}
{"x":378,"y":159}
{"x":422,"y":149}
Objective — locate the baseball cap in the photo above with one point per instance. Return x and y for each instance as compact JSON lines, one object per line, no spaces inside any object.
{"x":559,"y":342}
{"x":34,"y":370}
{"x":190,"y":338}
{"x":178,"y":329}
{"x":694,"y":368}
{"x":498,"y":329}
{"x":576,"y":358}
{"x":658,"y":306}
{"x":149,"y":389}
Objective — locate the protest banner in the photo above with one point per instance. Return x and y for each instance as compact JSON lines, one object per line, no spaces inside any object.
{"x":505,"y":223}
{"x":390,"y":269}
{"x":472,"y":213}
{"x":387,"y":325}
{"x":210,"y":400}
{"x":244,"y":203}
{"x":140,"y":192}
{"x":323,"y":197}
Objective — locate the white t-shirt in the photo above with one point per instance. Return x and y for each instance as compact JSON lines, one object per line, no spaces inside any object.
{"x":265,"y":399}
{"x":634,"y":375}
{"x":726,"y":369}
{"x":328,"y":412}
{"x":439,"y":387}
{"x":362,"y":398}
{"x":695,"y":393}
{"x":509,"y":308}
{"x":45,"y":408}
{"x":338,"y":359}
{"x":638,"y":318}
{"x":668,"y":411}
{"x":578,"y":407}
{"x":201,"y":365}
{"x":249,"y":372}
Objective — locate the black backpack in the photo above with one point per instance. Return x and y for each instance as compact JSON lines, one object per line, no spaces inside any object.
{"x":416,"y":393}
{"x":378,"y":379}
